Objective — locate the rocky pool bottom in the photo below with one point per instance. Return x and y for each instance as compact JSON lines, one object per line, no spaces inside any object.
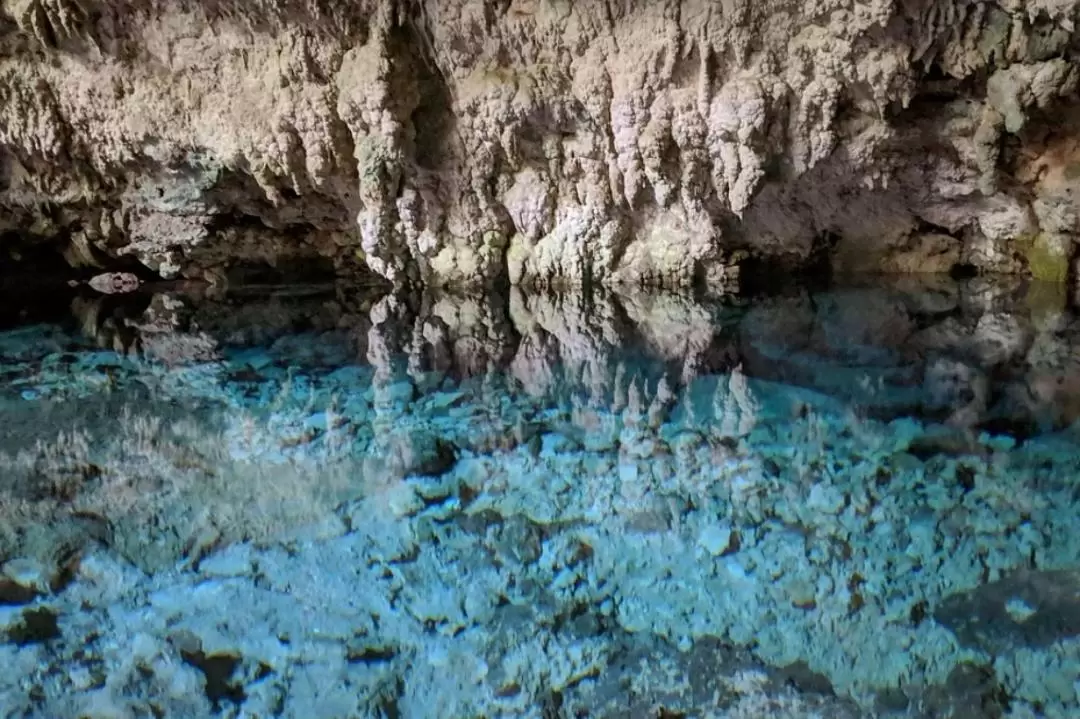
{"x":312,"y":502}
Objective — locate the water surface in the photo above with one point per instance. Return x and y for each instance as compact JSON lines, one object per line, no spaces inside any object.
{"x":311,"y":501}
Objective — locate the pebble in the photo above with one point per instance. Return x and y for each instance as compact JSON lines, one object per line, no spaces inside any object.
{"x":234,"y":561}
{"x":1019,"y":610}
{"x":715,"y":539}
{"x":29,"y":573}
{"x":825,"y":499}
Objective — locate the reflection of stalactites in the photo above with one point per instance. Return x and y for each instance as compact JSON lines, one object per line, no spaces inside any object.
{"x":578,"y":342}
{"x":99,"y":324}
{"x":166,"y":334}
{"x":570,"y":336}
{"x":635,"y":404}
{"x":735,"y":409}
{"x":429,"y":354}
{"x":534,"y":368}
{"x":390,"y":337}
{"x":681,"y":331}
{"x":598,"y":391}
{"x":661,"y":404}
{"x":687,"y":411}
{"x":463,"y":335}
{"x":86,"y":312}
{"x":620,"y":391}
{"x":634,"y":438}
{"x":718,"y":356}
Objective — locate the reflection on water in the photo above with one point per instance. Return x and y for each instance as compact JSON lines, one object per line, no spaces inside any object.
{"x":314,"y":503}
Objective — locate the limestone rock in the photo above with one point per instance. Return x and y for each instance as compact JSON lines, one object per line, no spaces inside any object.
{"x":469,"y":143}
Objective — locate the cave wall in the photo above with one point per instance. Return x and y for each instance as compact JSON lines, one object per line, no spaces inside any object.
{"x":541,"y":142}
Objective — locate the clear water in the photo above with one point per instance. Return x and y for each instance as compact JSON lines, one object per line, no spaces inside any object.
{"x":309,"y":502}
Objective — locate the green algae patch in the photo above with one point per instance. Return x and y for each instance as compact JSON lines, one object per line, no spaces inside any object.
{"x":495,"y":239}
{"x":1046,"y":301}
{"x":1047,"y":260}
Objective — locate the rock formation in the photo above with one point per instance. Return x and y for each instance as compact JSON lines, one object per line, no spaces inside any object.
{"x":541,"y":142}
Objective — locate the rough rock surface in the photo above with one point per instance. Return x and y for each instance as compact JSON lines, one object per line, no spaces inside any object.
{"x":541,"y":141}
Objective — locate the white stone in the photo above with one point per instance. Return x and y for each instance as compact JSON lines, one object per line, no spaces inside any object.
{"x":715,"y":539}
{"x":28,"y":573}
{"x":234,"y":561}
{"x":1019,"y":610}
{"x":825,"y":499}
{"x":401,"y":499}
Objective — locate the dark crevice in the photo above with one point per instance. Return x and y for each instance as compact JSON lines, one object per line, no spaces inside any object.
{"x":778,"y":275}
{"x":37,"y":283}
{"x":35,"y":627}
{"x":371,"y":655}
{"x":218,"y":670}
{"x":687,"y":68}
{"x":295,"y":271}
{"x":431,"y":119}
{"x":922,"y":227}
{"x":12,"y":593}
{"x":818,"y":265}
{"x":387,"y":702}
{"x":936,"y":88}
{"x":963,"y":271}
{"x":234,"y":220}
{"x":27,"y":262}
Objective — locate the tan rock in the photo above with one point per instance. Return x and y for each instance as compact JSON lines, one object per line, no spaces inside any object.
{"x":549,"y":143}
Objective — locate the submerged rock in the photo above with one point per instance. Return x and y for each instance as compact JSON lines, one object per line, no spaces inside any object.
{"x":564,"y":503}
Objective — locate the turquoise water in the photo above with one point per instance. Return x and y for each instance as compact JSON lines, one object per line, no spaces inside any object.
{"x":313,"y":502}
